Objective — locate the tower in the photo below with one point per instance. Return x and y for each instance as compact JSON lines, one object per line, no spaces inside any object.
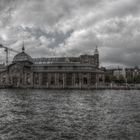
{"x":96,"y":56}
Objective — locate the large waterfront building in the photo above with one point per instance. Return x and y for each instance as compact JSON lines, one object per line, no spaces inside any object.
{"x":59,"y":72}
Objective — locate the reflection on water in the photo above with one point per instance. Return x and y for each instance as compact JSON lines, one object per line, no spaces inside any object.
{"x":69,"y":115}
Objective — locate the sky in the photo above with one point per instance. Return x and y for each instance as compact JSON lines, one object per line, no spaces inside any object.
{"x":51,"y":28}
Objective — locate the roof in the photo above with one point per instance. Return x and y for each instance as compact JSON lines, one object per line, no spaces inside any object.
{"x":22,"y":57}
{"x":44,"y":60}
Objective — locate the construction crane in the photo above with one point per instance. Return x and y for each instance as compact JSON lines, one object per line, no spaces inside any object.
{"x":7,"y":52}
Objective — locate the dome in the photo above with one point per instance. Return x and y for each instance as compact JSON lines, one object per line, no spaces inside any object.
{"x":23,"y":57}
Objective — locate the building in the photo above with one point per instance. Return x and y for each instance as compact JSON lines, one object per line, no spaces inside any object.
{"x":133,"y":75}
{"x":59,"y":72}
{"x":115,"y":72}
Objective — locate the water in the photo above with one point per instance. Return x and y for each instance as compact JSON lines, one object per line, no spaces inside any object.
{"x":69,"y":115}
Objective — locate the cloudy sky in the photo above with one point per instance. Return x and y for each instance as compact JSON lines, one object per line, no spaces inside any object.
{"x":73,"y":27}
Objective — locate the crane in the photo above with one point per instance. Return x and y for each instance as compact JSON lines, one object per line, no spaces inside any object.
{"x":7,"y":52}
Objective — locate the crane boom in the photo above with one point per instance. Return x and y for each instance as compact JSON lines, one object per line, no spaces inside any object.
{"x":1,"y":46}
{"x":7,"y":51}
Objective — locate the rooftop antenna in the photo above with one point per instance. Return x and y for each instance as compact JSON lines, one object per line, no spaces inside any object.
{"x":66,"y":58}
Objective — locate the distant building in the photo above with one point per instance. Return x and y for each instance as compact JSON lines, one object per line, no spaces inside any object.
{"x":116,"y":72}
{"x":133,"y":74}
{"x":59,"y":72}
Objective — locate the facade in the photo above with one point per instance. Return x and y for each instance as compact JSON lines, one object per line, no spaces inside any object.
{"x":120,"y":76}
{"x":132,"y":72}
{"x":133,"y":75}
{"x":116,"y":72}
{"x":60,"y":72}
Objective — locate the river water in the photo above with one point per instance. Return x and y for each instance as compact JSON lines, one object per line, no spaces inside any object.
{"x":69,"y":115}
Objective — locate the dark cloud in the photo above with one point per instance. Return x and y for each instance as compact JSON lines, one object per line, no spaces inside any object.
{"x":62,"y":27}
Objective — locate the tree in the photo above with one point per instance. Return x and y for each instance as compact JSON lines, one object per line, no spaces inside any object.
{"x":114,"y":79}
{"x":121,"y":79}
{"x":107,"y":78}
{"x":130,"y":80}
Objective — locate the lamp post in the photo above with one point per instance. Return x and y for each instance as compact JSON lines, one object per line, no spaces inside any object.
{"x":96,"y":84}
{"x":126,"y":82}
{"x":111,"y":85}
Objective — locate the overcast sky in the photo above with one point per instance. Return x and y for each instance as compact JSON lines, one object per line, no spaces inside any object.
{"x":73,"y":27}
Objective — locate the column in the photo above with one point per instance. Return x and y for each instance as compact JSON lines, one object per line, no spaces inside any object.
{"x":64,"y":80}
{"x":56,"y":79}
{"x":0,"y":78}
{"x":25,"y":77}
{"x":40,"y":79}
{"x":49,"y":79}
{"x":73,"y":79}
{"x":7,"y":79}
{"x":97,"y":78}
{"x":32,"y":83}
{"x":103,"y":77}
{"x":88,"y":77}
{"x":80,"y":80}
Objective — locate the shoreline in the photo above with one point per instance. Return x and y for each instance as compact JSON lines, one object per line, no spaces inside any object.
{"x":74,"y":88}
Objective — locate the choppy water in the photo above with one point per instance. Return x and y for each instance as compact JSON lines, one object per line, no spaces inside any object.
{"x":69,"y":115}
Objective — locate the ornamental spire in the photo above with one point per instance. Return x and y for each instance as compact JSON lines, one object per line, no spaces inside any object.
{"x":96,"y":50}
{"x":23,"y":48}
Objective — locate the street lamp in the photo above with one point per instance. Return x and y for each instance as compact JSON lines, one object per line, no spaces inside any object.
{"x":126,"y":82}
